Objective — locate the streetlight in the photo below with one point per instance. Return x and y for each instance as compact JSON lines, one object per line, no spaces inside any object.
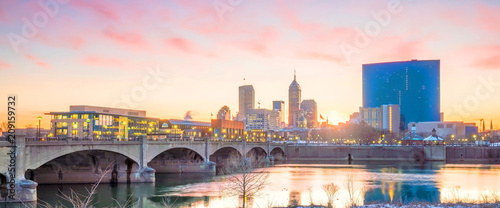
{"x":39,"y":124}
{"x":88,"y":127}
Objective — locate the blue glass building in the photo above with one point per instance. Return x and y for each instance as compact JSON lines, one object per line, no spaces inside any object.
{"x":414,"y":85}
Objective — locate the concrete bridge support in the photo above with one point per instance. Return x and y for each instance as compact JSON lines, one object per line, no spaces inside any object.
{"x":18,"y":188}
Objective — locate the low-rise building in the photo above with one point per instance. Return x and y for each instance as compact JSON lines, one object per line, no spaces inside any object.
{"x":102,"y":123}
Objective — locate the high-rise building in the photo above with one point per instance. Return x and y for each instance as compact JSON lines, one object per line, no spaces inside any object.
{"x":294,"y":98}
{"x":279,"y":105}
{"x":413,"y":85}
{"x":246,"y":100}
{"x":262,"y":119}
{"x":372,"y":116}
{"x":309,"y":109}
{"x":391,"y":118}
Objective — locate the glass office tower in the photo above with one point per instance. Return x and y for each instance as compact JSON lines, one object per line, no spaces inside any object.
{"x":414,"y":85}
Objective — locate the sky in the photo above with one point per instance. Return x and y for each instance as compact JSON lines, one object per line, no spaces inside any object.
{"x":172,"y":56}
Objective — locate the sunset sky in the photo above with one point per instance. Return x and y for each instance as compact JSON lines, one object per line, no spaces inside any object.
{"x":97,"y":52}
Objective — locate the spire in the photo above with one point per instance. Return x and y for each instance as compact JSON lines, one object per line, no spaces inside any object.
{"x":294,"y":74}
{"x":491,"y":125}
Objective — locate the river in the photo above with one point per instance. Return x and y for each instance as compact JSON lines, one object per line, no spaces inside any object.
{"x":300,"y":183}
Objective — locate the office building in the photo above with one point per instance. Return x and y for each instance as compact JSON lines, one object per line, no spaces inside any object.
{"x":372,"y":116}
{"x":294,"y":98}
{"x":391,"y":118}
{"x":102,"y":123}
{"x":279,"y":106}
{"x":309,"y":109}
{"x":195,"y":130}
{"x":246,"y":100}
{"x":262,"y":120}
{"x":448,"y":129}
{"x":413,"y":85}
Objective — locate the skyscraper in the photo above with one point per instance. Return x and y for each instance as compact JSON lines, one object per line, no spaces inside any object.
{"x":413,"y":85}
{"x":310,"y":110}
{"x":246,"y":100}
{"x":391,"y":118}
{"x":279,"y":105}
{"x":294,"y":98}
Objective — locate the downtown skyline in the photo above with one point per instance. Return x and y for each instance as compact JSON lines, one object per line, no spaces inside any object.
{"x":94,"y":53}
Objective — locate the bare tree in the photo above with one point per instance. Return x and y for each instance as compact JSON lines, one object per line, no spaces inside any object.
{"x":354,"y":193}
{"x":78,"y":200}
{"x":331,"y":191}
{"x":246,"y":177}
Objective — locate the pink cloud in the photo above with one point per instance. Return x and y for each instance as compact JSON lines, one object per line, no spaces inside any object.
{"x":485,"y":57}
{"x":3,"y":15}
{"x":186,"y":46}
{"x":4,"y":65}
{"x":38,"y":62}
{"x":322,"y":56}
{"x":102,"y":61}
{"x":291,"y":19}
{"x":131,"y":39}
{"x":180,"y":44}
{"x":105,"y":10}
{"x":75,"y":42}
{"x":489,"y":18}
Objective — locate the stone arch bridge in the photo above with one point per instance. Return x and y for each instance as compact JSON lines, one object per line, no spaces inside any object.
{"x":31,"y":155}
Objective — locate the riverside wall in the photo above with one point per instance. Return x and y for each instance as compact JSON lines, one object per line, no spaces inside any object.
{"x":469,"y":154}
{"x":366,"y":153}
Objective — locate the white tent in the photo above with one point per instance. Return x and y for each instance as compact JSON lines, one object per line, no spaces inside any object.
{"x":433,"y":138}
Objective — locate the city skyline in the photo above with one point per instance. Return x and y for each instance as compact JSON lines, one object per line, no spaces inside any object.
{"x":204,"y":58}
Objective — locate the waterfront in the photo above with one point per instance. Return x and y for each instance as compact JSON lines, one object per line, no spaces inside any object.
{"x":295,"y":183}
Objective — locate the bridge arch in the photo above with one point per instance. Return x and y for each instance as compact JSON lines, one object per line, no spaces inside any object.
{"x":221,"y":155}
{"x":278,"y":153}
{"x":234,"y":147}
{"x":84,"y":166}
{"x":157,"y":150}
{"x":34,"y":163}
{"x":257,"y":151}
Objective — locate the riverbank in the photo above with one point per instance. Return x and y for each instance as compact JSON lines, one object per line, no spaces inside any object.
{"x":424,"y":205}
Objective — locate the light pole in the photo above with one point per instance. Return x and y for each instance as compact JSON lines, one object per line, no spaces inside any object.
{"x":39,"y":124}
{"x":88,"y":127}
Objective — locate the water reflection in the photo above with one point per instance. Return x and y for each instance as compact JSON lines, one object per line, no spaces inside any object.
{"x":301,"y":184}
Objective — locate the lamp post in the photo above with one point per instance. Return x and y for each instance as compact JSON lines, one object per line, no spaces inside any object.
{"x":39,"y":124}
{"x":88,"y":127}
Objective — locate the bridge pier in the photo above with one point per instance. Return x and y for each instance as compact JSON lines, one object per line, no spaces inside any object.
{"x":18,"y":188}
{"x":146,"y":174}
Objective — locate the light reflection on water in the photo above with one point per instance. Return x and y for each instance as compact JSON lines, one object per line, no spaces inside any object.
{"x":376,"y":182}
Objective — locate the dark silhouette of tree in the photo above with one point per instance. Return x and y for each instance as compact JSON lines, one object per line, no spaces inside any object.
{"x":245,"y":177}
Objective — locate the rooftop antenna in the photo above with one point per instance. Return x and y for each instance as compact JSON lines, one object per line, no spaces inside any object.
{"x":258,"y":103}
{"x":294,"y":74}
